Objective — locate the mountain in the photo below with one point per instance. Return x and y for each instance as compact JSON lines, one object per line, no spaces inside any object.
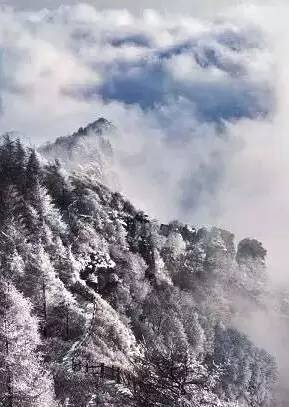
{"x":103,"y":306}
{"x":88,"y":149}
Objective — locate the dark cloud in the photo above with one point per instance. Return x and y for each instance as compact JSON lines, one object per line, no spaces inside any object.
{"x":135,"y":40}
{"x":149,"y":82}
{"x":210,"y":101}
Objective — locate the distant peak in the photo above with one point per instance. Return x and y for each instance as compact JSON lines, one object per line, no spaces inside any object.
{"x":97,"y":126}
{"x":99,"y":123}
{"x":88,"y":149}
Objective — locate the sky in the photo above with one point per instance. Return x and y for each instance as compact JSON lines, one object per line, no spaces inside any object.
{"x":200,"y":99}
{"x":196,"y":7}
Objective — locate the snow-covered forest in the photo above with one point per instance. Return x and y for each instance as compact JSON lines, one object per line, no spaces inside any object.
{"x":101,"y":305}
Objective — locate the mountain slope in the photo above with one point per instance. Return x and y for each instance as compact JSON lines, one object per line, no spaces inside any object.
{"x":108,"y":285}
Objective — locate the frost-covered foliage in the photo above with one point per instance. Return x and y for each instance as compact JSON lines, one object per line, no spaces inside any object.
{"x":25,"y":380}
{"x":89,"y":280}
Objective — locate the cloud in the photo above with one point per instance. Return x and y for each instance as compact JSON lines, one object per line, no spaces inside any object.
{"x":193,"y":6}
{"x":154,"y":61}
{"x":151,"y":61}
{"x":202,"y":79}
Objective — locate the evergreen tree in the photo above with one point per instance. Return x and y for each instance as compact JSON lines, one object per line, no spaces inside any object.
{"x":24,"y":382}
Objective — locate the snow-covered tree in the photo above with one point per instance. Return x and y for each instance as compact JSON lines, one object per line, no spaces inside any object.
{"x":171,"y":376}
{"x":24,"y":381}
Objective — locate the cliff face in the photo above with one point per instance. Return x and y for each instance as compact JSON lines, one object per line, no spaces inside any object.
{"x":104,"y":285}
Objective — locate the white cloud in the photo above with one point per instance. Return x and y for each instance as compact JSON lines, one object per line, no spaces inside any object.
{"x":193,"y":6}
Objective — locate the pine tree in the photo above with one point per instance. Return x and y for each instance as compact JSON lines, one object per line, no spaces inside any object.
{"x":33,"y":170}
{"x":52,"y":301}
{"x":173,"y":377}
{"x":24,"y":382}
{"x":58,"y":185}
{"x":19,"y":165}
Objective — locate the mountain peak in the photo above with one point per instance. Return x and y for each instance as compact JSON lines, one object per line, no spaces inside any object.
{"x":98,"y":127}
{"x":88,"y":149}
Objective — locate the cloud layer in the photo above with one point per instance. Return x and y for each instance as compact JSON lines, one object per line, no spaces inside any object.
{"x":194,"y":7}
{"x":78,"y":55}
{"x":201,"y":106}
